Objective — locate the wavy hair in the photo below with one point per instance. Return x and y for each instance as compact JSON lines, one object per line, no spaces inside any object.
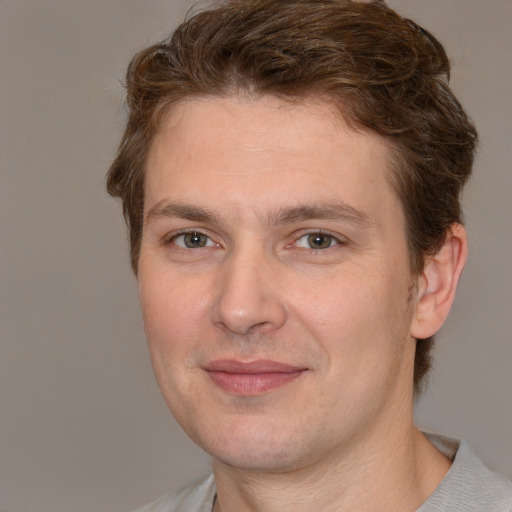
{"x":384,"y":72}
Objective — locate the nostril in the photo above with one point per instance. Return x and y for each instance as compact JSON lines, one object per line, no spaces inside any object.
{"x":247,"y":298}
{"x":249,"y":312}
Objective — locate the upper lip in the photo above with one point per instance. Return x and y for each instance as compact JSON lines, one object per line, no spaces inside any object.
{"x":251,"y":367}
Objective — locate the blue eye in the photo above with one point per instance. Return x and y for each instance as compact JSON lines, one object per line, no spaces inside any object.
{"x":192,"y":240}
{"x":317,"y":241}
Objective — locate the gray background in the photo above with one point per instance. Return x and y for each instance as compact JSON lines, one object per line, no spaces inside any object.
{"x":82,"y":424}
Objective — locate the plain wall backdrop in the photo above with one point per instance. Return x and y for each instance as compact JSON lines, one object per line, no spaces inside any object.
{"x":82,"y":424}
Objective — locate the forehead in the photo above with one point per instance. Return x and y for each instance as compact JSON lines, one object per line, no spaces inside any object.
{"x":240,"y":150}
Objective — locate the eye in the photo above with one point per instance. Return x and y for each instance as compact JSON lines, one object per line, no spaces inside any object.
{"x":192,"y":240}
{"x":317,"y":241}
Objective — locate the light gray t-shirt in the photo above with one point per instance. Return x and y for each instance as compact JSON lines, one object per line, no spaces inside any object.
{"x":467,"y":487}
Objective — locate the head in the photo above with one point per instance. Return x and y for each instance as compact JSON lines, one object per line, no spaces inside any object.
{"x":380,"y":72}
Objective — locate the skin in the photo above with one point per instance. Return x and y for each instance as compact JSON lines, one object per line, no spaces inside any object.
{"x":271,"y":233}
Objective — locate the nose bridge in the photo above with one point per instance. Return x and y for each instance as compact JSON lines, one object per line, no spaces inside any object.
{"x":248,"y":295}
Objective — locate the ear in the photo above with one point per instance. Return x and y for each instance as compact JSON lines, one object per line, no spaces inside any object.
{"x":437,"y":284}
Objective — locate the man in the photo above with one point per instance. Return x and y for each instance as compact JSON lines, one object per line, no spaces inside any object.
{"x":290,"y":173}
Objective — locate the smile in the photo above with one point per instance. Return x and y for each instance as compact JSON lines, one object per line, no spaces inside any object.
{"x":252,"y":378}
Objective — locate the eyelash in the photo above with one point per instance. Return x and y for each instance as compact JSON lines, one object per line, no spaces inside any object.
{"x":333,"y":240}
{"x":193,"y":232}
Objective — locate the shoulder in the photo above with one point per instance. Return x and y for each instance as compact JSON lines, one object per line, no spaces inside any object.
{"x":469,"y":485}
{"x":195,"y":496}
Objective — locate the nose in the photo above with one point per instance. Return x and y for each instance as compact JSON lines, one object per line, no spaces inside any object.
{"x":249,"y":298}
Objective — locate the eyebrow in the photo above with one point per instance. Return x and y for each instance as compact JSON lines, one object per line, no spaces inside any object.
{"x":321,"y":211}
{"x":338,"y":211}
{"x":181,"y":211}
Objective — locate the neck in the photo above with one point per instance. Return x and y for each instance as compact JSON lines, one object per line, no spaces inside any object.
{"x":392,"y":468}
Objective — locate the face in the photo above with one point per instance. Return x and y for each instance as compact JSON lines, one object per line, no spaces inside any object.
{"x":274,"y":281}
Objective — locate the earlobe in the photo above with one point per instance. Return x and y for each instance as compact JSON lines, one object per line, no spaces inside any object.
{"x":438,"y":283}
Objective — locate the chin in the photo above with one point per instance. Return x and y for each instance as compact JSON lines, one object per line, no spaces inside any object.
{"x":252,"y":448}
{"x":257,"y":461}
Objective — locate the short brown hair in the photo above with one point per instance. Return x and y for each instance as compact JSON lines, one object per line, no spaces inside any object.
{"x":384,"y":72}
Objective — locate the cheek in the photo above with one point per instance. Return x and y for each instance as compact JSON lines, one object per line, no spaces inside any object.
{"x":173,"y":322}
{"x":346,"y":301}
{"x":174,"y":313}
{"x":361,"y":318}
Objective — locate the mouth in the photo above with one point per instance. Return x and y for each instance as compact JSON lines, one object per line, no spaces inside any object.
{"x":251,"y":378}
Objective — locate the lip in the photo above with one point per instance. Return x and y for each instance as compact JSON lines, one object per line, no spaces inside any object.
{"x":251,"y":378}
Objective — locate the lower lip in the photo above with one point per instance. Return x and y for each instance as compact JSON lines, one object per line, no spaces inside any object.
{"x":251,"y":384}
